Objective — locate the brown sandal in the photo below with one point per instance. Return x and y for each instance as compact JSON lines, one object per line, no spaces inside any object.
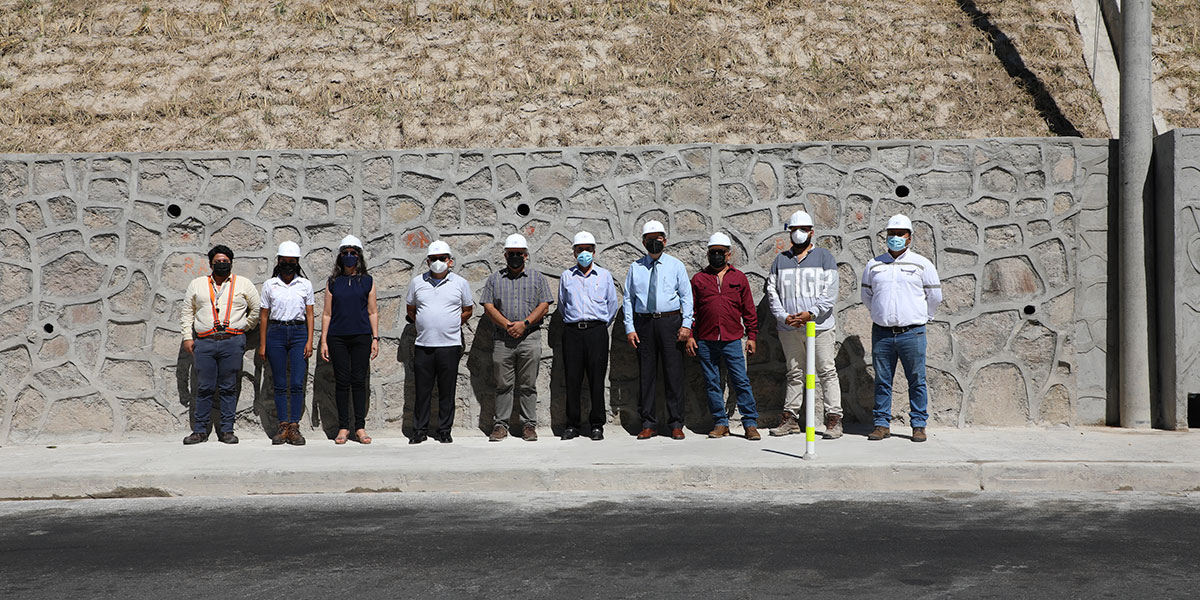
{"x":361,"y":436}
{"x":342,"y":435}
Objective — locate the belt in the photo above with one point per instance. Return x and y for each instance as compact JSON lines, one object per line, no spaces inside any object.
{"x":894,"y":330}
{"x":586,"y":324}
{"x":220,"y":336}
{"x":659,"y":315}
{"x":296,"y":322}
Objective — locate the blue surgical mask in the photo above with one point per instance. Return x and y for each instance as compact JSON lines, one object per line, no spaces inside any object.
{"x":896,"y":243}
{"x":584,"y":259}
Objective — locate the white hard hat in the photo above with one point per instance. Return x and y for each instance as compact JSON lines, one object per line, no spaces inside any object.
{"x":799,"y":219}
{"x":582,"y":238}
{"x":653,"y":227}
{"x":720,"y":239}
{"x":899,"y":222}
{"x":350,"y":242}
{"x":437,"y":248}
{"x":289,"y":249}
{"x":516,"y":240}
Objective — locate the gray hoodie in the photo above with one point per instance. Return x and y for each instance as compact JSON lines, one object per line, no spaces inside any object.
{"x":810,"y":285}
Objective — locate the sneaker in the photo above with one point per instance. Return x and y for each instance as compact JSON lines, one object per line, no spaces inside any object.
{"x":281,"y":436}
{"x":530,"y":433}
{"x":719,"y":431}
{"x":833,"y":427}
{"x":919,"y":434}
{"x":227,"y":437}
{"x":294,"y":437}
{"x":788,"y":425}
{"x":195,"y":438}
{"x":880,"y":433}
{"x":499,"y":432}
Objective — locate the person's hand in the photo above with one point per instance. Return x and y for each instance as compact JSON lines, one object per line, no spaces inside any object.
{"x":810,"y":317}
{"x":324,"y":351}
{"x":751,"y":346}
{"x":516,"y":329}
{"x":261,"y":353}
{"x":633,"y":340}
{"x":792,"y":320}
{"x":685,"y":334}
{"x":690,"y":346}
{"x":307,"y":350}
{"x":189,"y":346}
{"x":374,"y":348}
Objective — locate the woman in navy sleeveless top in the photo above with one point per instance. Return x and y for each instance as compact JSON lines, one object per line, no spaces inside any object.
{"x":350,"y":336}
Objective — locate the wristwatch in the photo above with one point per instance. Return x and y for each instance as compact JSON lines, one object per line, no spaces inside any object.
{"x":527,"y":322}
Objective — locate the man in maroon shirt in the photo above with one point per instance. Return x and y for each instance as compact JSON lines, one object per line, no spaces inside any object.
{"x":724,"y":314}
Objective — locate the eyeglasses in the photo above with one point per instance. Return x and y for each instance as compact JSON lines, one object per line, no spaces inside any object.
{"x":442,"y":257}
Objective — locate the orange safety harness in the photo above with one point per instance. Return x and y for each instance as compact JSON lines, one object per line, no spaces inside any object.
{"x":218,"y":326}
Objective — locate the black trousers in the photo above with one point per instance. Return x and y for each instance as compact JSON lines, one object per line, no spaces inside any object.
{"x":657,"y":343}
{"x":585,"y":352}
{"x":351,"y":359}
{"x":430,"y":365}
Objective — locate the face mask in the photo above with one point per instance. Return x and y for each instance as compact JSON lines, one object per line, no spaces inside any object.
{"x":439,"y":266}
{"x":896,"y":243}
{"x":349,"y":260}
{"x":222,"y":269}
{"x":799,"y":237}
{"x":655,"y":246}
{"x":584,"y":259}
{"x":288,"y":268}
{"x":716,"y":260}
{"x":515,"y":261}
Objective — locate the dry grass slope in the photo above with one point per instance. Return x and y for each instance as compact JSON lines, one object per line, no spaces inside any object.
{"x":93,"y":75}
{"x":1177,"y":60}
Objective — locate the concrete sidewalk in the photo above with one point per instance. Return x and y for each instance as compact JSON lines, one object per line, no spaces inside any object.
{"x":1062,"y":460}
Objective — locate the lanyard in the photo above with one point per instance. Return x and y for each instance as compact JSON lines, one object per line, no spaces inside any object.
{"x":212,"y":295}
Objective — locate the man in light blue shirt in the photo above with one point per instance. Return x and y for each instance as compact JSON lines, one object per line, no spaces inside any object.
{"x":658,"y":322}
{"x":588,"y":301}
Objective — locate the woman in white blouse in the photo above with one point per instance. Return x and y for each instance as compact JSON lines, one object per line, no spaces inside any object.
{"x":286,"y":339}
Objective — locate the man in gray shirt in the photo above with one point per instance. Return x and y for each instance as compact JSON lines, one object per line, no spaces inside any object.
{"x":801,"y":287}
{"x":515,"y":299}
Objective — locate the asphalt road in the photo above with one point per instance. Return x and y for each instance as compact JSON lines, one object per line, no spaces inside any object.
{"x":590,"y":545}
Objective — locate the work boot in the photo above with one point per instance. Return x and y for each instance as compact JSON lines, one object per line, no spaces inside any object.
{"x":530,"y":433}
{"x":833,"y":427}
{"x":196,"y":437}
{"x":499,"y":432}
{"x":752,"y":434}
{"x":880,"y":433}
{"x":227,"y":437}
{"x":919,"y":434}
{"x":788,"y":425}
{"x":719,"y":431}
{"x":294,"y":437}
{"x":280,"y":436}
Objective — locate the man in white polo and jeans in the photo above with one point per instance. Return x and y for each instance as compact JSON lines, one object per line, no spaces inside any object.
{"x":802,"y":286}
{"x":901,"y":289}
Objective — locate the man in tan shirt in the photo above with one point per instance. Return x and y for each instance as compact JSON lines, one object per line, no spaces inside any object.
{"x":217,"y":312}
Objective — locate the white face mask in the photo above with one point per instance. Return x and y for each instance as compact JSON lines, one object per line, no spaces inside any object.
{"x":439,"y":266}
{"x":799,"y":236}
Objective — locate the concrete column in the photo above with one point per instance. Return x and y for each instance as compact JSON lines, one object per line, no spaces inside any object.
{"x":1136,"y":150}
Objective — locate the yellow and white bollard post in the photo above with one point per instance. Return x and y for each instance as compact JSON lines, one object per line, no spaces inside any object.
{"x":810,"y":387}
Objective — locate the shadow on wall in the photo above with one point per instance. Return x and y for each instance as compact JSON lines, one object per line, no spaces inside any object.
{"x":405,"y":351}
{"x":857,"y":381}
{"x":479,"y":364}
{"x":623,"y":378}
{"x":558,"y":384}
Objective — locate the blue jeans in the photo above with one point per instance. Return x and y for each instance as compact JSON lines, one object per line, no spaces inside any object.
{"x":285,"y":352}
{"x":712,"y":354}
{"x":909,"y":347}
{"x":218,"y":363}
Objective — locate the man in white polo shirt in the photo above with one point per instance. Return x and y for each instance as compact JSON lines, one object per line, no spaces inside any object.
{"x":901,"y":289}
{"x":439,"y":302}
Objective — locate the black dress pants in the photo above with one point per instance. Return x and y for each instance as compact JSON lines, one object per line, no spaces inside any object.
{"x":658,"y":344}
{"x":435,"y":364}
{"x":585,"y":352}
{"x":351,"y":359}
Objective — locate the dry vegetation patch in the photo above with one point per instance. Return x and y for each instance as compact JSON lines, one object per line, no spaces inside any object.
{"x":105,"y":76}
{"x":1177,"y":61}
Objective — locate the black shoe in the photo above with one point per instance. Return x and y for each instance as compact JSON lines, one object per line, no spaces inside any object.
{"x":417,"y":438}
{"x":597,"y":433}
{"x":227,"y":437}
{"x":195,"y":438}
{"x":444,"y":437}
{"x":570,"y":433}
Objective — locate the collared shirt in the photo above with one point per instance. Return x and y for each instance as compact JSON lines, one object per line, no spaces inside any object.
{"x":287,"y":301}
{"x":196,"y":315}
{"x":590,"y":297}
{"x":724,"y":307}
{"x":901,"y":291}
{"x":516,"y":295}
{"x":439,"y":304}
{"x":808,"y":285}
{"x":674,"y":289}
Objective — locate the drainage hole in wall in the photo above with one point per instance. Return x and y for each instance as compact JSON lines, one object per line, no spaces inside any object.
{"x":523,"y":209}
{"x":48,"y":328}
{"x":1193,"y":408}
{"x":174,"y":211}
{"x":901,"y":191}
{"x":1030,"y":309}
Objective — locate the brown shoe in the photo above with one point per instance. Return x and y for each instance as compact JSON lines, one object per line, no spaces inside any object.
{"x":919,"y":434}
{"x":880,"y":433}
{"x":752,"y":434}
{"x":294,"y":438}
{"x":646,"y":434}
{"x":499,"y":432}
{"x":833,"y":427}
{"x":677,"y":433}
{"x":530,"y":433}
{"x":788,"y":425}
{"x":719,"y":431}
{"x":281,"y":436}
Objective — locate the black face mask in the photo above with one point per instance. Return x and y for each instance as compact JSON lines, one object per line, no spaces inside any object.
{"x":654,"y":246}
{"x":222,"y":269}
{"x":515,"y":261}
{"x":716,"y":260}
{"x":288,"y":268}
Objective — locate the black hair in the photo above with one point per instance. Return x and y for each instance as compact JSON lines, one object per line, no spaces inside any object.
{"x":219,"y":249}
{"x":359,"y":270}
{"x":299,"y":269}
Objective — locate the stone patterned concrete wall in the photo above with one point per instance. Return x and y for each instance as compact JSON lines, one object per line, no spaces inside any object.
{"x":98,"y":248}
{"x":1177,"y":165}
